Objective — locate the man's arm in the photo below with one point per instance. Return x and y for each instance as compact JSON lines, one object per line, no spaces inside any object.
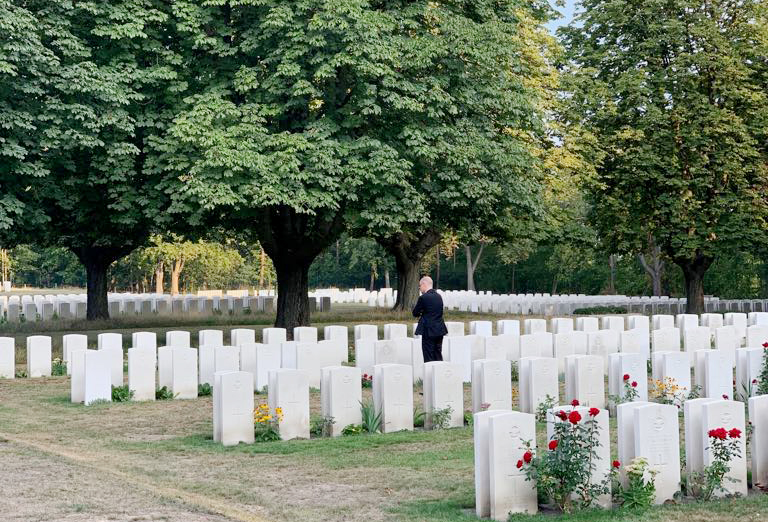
{"x":419,"y":308}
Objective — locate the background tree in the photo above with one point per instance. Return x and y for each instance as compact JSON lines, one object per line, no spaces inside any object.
{"x":85,"y":87}
{"x":675,"y":94}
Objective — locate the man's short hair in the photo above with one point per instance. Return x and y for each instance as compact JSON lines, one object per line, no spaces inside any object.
{"x":426,"y":280}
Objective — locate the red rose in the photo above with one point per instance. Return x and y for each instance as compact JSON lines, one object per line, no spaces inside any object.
{"x":735,"y":433}
{"x":754,"y":381}
{"x":594,"y":412}
{"x":718,"y":433}
{"x":765,"y":345}
{"x":553,"y":445}
{"x":527,"y":456}
{"x":365,"y":376}
{"x":574,"y":417}
{"x":616,"y":463}
{"x":562,"y":415}
{"x":626,"y":376}
{"x":519,"y":464}
{"x":634,"y":384}
{"x":725,"y":397}
{"x":575,"y":402}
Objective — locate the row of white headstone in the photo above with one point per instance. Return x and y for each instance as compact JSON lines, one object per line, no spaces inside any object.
{"x":644,"y":429}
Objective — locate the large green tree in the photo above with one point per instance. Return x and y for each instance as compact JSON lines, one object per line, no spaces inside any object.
{"x":400,"y":118}
{"x":85,"y":87}
{"x":675,"y":95}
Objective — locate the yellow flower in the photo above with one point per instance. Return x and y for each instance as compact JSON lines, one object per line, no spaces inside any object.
{"x":279,"y":411}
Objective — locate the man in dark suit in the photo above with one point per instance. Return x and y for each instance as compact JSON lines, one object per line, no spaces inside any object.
{"x":431,"y":328}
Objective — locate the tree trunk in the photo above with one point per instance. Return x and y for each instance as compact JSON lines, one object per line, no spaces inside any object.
{"x":437,"y":268}
{"x":159,"y":275}
{"x":373,"y":279}
{"x":96,"y":261}
{"x":408,"y":251}
{"x":612,"y":281}
{"x":653,"y":265}
{"x":262,"y":267}
{"x":176,"y":268}
{"x":472,"y":265}
{"x":693,"y":271}
{"x":386,"y":278}
{"x":292,"y":296}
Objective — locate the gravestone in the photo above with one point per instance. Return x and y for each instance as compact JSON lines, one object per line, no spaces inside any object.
{"x":757,"y":335}
{"x":677,"y":366}
{"x":77,"y":379}
{"x":115,"y":357}
{"x":694,"y":442}
{"x":364,"y":354}
{"x":537,"y":379}
{"x":178,"y":338}
{"x":367,"y":331}
{"x":97,"y":376}
{"x":508,"y":327}
{"x":241,"y":336}
{"x":105,"y":340}
{"x":226,"y":359}
{"x":531,"y":326}
{"x":588,"y":381}
{"x":393,"y":396}
{"x":509,"y":491}
{"x":712,"y":321}
{"x":417,"y":360}
{"x":38,"y":356}
{"x":443,"y":388}
{"x":184,"y":373}
{"x":491,"y":385}
{"x":603,"y":343}
{"x":458,"y":350}
{"x":642,"y":322}
{"x":305,"y":334}
{"x":484,"y":328}
{"x":657,"y":438}
{"x":739,"y":321}
{"x":340,"y":396}
{"x":569,"y":343}
{"x":758,"y":418}
{"x":211,"y":338}
{"x":635,"y":341}
{"x":612,"y":322}
{"x":536,"y":345}
{"x":481,"y":424}
{"x":632,"y":364}
{"x":65,"y":310}
{"x":72,"y":342}
{"x":718,"y":374}
{"x":749,"y":363}
{"x":455,"y":328}
{"x":665,"y":340}
{"x":494,"y":347}
{"x":696,"y":338}
{"x":206,"y":364}
{"x":289,"y":390}
{"x":30,"y":312}
{"x":728,"y":415}
{"x":8,"y":358}
{"x":161,"y":306}
{"x":587,"y":324}
{"x":625,"y":436}
{"x":233,"y":408}
{"x":561,"y":325}
{"x":395,"y":331}
{"x":141,"y":373}
{"x":726,"y":340}
{"x":164,"y":367}
{"x":275,"y":336}
{"x":141,"y":339}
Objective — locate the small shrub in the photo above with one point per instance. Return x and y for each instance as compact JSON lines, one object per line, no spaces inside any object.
{"x":121,"y":393}
{"x":21,"y":374}
{"x":205,"y":389}
{"x":547,"y":404}
{"x":58,"y":367}
{"x":367,"y":381}
{"x":266,"y":424}
{"x":371,"y":420}
{"x":441,"y":419}
{"x":515,"y":372}
{"x":353,"y":429}
{"x":630,"y":391}
{"x":762,"y":379}
{"x":600,"y":310}
{"x":320,"y":425}
{"x":469,"y":419}
{"x":164,"y":394}
{"x":418,"y":418}
{"x":668,"y":392}
{"x":725,"y":446}
{"x":641,"y":490}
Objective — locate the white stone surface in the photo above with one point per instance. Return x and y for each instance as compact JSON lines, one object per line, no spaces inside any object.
{"x":494,"y":347}
{"x":508,"y":488}
{"x":484,"y":328}
{"x":184,"y":376}
{"x":642,"y":322}
{"x":625,"y":436}
{"x":274,"y":336}
{"x":561,"y":325}
{"x":141,"y":373}
{"x":241,"y":336}
{"x":179,"y":338}
{"x":657,"y":438}
{"x":665,"y":340}
{"x":226,"y":359}
{"x":662,"y":321}
{"x":364,"y":354}
{"x":727,"y":340}
{"x":637,"y":340}
{"x":206,"y":364}
{"x":340,"y":396}
{"x":612,"y":322}
{"x":728,"y":415}
{"x":116,"y":360}
{"x":417,"y":359}
{"x":538,"y":378}
{"x":458,"y":350}
{"x":97,"y":378}
{"x":366,"y":331}
{"x":758,"y":416}
{"x":8,"y":358}
{"x":748,"y":364}
{"x":718,"y":375}
{"x":757,"y":335}
{"x":602,"y":343}
{"x":694,"y":442}
{"x":481,"y":422}
{"x":508,"y":327}
{"x":140,"y":339}
{"x":305,"y":334}
{"x":210,"y":338}
{"x":395,"y":331}
{"x":677,"y":366}
{"x":455,"y":328}
{"x":587,"y":324}
{"x":632,"y":364}
{"x":491,"y":385}
{"x":696,"y":338}
{"x":106,"y":340}
{"x":539,"y":344}
{"x":589,"y":383}
{"x":569,"y":343}
{"x":531,"y":326}
{"x":72,"y":342}
{"x":77,"y":379}
{"x":443,"y":388}
{"x":739,"y":321}
{"x":393,"y":396}
{"x":233,"y":408}
{"x":39,"y":356}
{"x":289,"y":390}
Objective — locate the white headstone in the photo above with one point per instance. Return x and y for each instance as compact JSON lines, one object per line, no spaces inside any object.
{"x":97,"y":378}
{"x":728,"y":415}
{"x":491,"y":385}
{"x":233,"y":408}
{"x":305,"y":334}
{"x":455,"y":328}
{"x":116,"y":359}
{"x":481,"y":422}
{"x":458,"y":350}
{"x":340,"y":396}
{"x":38,"y":356}
{"x":696,"y":338}
{"x":625,"y":435}
{"x":589,"y":381}
{"x":587,"y":324}
{"x":105,"y":340}
{"x":508,"y":327}
{"x":727,"y":340}
{"x":569,"y":343}
{"x":633,"y":365}
{"x":393,"y":396}
{"x":665,"y":340}
{"x":241,"y":336}
{"x":749,"y":362}
{"x":657,"y":438}
{"x":694,"y":442}
{"x":443,"y":388}
{"x":603,"y":343}
{"x":274,"y":336}
{"x":757,"y":335}
{"x":758,"y":417}
{"x":718,"y":375}
{"x":661,"y":322}
{"x":367,"y":332}
{"x":289,"y":390}
{"x":739,"y":321}
{"x":141,"y":339}
{"x":210,"y":338}
{"x":395,"y":331}
{"x":72,"y":342}
{"x":561,"y":325}
{"x":8,"y":358}
{"x":677,"y":366}
{"x":636,"y":341}
{"x":141,"y":373}
{"x":510,"y":492}
{"x":77,"y":380}
{"x":531,"y":326}
{"x":537,"y":380}
{"x":206,"y":364}
{"x":184,"y":377}
{"x":226,"y":359}
{"x":612,"y":322}
{"x":484,"y":328}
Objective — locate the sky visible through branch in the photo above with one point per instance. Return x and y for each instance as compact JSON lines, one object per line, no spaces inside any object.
{"x":567,"y":13}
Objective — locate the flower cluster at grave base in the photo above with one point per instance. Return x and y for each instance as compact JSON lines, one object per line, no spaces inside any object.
{"x":630,"y":391}
{"x":266,"y":423}
{"x":724,"y":446}
{"x":367,"y":380}
{"x":564,"y":472}
{"x":762,"y":379}
{"x":667,"y":391}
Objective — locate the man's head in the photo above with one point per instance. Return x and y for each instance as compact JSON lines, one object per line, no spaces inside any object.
{"x":425,"y":284}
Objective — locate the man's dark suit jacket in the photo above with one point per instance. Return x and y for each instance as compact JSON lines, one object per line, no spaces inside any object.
{"x":429,"y":310}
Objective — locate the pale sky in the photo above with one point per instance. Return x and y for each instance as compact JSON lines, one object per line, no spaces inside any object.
{"x":567,"y":13}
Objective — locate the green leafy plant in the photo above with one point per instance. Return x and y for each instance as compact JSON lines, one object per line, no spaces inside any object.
{"x":600,"y":310}
{"x":469,"y":419}
{"x":547,"y":404}
{"x":725,"y":446}
{"x":21,"y":374}
{"x":121,"y":393}
{"x":353,"y":429}
{"x":641,"y":488}
{"x":564,"y":473}
{"x":696,"y":392}
{"x":371,"y":420}
{"x":418,"y":418}
{"x":515,"y":372}
{"x":667,"y":391}
{"x":58,"y":367}
{"x":366,"y":381}
{"x":204,"y":389}
{"x":762,"y":379}
{"x":320,"y":425}
{"x":630,"y":391}
{"x":164,"y":394}
{"x":266,"y":424}
{"x":441,"y":419}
